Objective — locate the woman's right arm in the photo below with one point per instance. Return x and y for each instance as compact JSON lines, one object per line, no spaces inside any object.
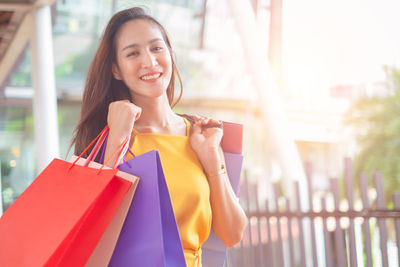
{"x":120,"y":119}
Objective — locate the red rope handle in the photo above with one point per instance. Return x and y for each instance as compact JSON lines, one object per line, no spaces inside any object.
{"x":94,"y":140}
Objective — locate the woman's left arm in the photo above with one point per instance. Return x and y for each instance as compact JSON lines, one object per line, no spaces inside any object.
{"x":229,"y":220}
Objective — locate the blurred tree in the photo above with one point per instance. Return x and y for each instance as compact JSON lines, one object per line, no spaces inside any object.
{"x":377,"y":120}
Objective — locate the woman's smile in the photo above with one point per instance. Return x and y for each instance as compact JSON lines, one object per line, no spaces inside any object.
{"x":151,"y":77}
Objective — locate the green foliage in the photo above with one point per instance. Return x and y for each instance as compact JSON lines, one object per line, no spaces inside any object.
{"x":377,"y":121}
{"x":64,"y":68}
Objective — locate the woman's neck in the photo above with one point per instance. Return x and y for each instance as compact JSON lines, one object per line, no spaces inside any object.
{"x":157,"y":115}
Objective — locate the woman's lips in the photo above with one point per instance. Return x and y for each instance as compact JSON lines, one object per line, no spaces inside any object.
{"x":151,"y":77}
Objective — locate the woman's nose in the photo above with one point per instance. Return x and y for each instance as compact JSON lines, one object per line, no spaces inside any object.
{"x":149,"y":60}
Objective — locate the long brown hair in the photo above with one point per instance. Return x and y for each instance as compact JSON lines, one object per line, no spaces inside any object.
{"x":101,"y":88}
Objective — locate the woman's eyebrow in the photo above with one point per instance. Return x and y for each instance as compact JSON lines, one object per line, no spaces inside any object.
{"x":136,"y":45}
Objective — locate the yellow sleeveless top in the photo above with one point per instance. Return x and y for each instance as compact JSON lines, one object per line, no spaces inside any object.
{"x":187,"y":185}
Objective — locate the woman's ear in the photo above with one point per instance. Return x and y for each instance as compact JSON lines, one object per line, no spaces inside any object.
{"x":115,"y":72}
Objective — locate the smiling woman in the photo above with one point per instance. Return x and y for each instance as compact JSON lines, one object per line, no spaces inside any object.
{"x":130,"y":87}
{"x":105,"y":81}
{"x":143,"y":61}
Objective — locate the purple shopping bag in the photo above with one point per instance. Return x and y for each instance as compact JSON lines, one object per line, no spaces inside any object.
{"x":150,"y":236}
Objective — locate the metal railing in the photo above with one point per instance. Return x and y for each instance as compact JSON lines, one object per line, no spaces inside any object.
{"x":283,"y":235}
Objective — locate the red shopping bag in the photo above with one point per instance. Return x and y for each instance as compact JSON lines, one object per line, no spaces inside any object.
{"x":60,"y":217}
{"x":104,"y":248}
{"x":101,"y":255}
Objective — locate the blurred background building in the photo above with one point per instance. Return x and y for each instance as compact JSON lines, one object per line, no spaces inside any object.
{"x":323,"y":56}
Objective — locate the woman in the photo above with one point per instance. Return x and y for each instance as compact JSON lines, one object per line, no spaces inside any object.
{"x":130,"y":86}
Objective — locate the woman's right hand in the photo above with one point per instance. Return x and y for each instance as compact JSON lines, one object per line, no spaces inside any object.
{"x":121,"y":118}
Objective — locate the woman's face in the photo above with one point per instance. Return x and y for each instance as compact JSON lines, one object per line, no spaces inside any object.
{"x":143,"y":59}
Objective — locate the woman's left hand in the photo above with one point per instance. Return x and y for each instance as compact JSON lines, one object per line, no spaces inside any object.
{"x":205,"y":139}
{"x":228,"y":218}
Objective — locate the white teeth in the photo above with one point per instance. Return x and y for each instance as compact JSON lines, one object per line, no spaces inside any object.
{"x":149,"y":77}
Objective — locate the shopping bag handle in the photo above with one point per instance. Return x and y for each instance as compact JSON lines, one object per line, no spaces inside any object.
{"x":126,"y":162}
{"x":104,"y":149}
{"x":97,"y":147}
{"x":102,"y":135}
{"x":103,"y":140}
{"x":90,"y":145}
{"x":122,"y":150}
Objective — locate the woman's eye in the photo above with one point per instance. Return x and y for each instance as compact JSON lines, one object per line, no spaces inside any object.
{"x":157,"y":48}
{"x":132,"y":54}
